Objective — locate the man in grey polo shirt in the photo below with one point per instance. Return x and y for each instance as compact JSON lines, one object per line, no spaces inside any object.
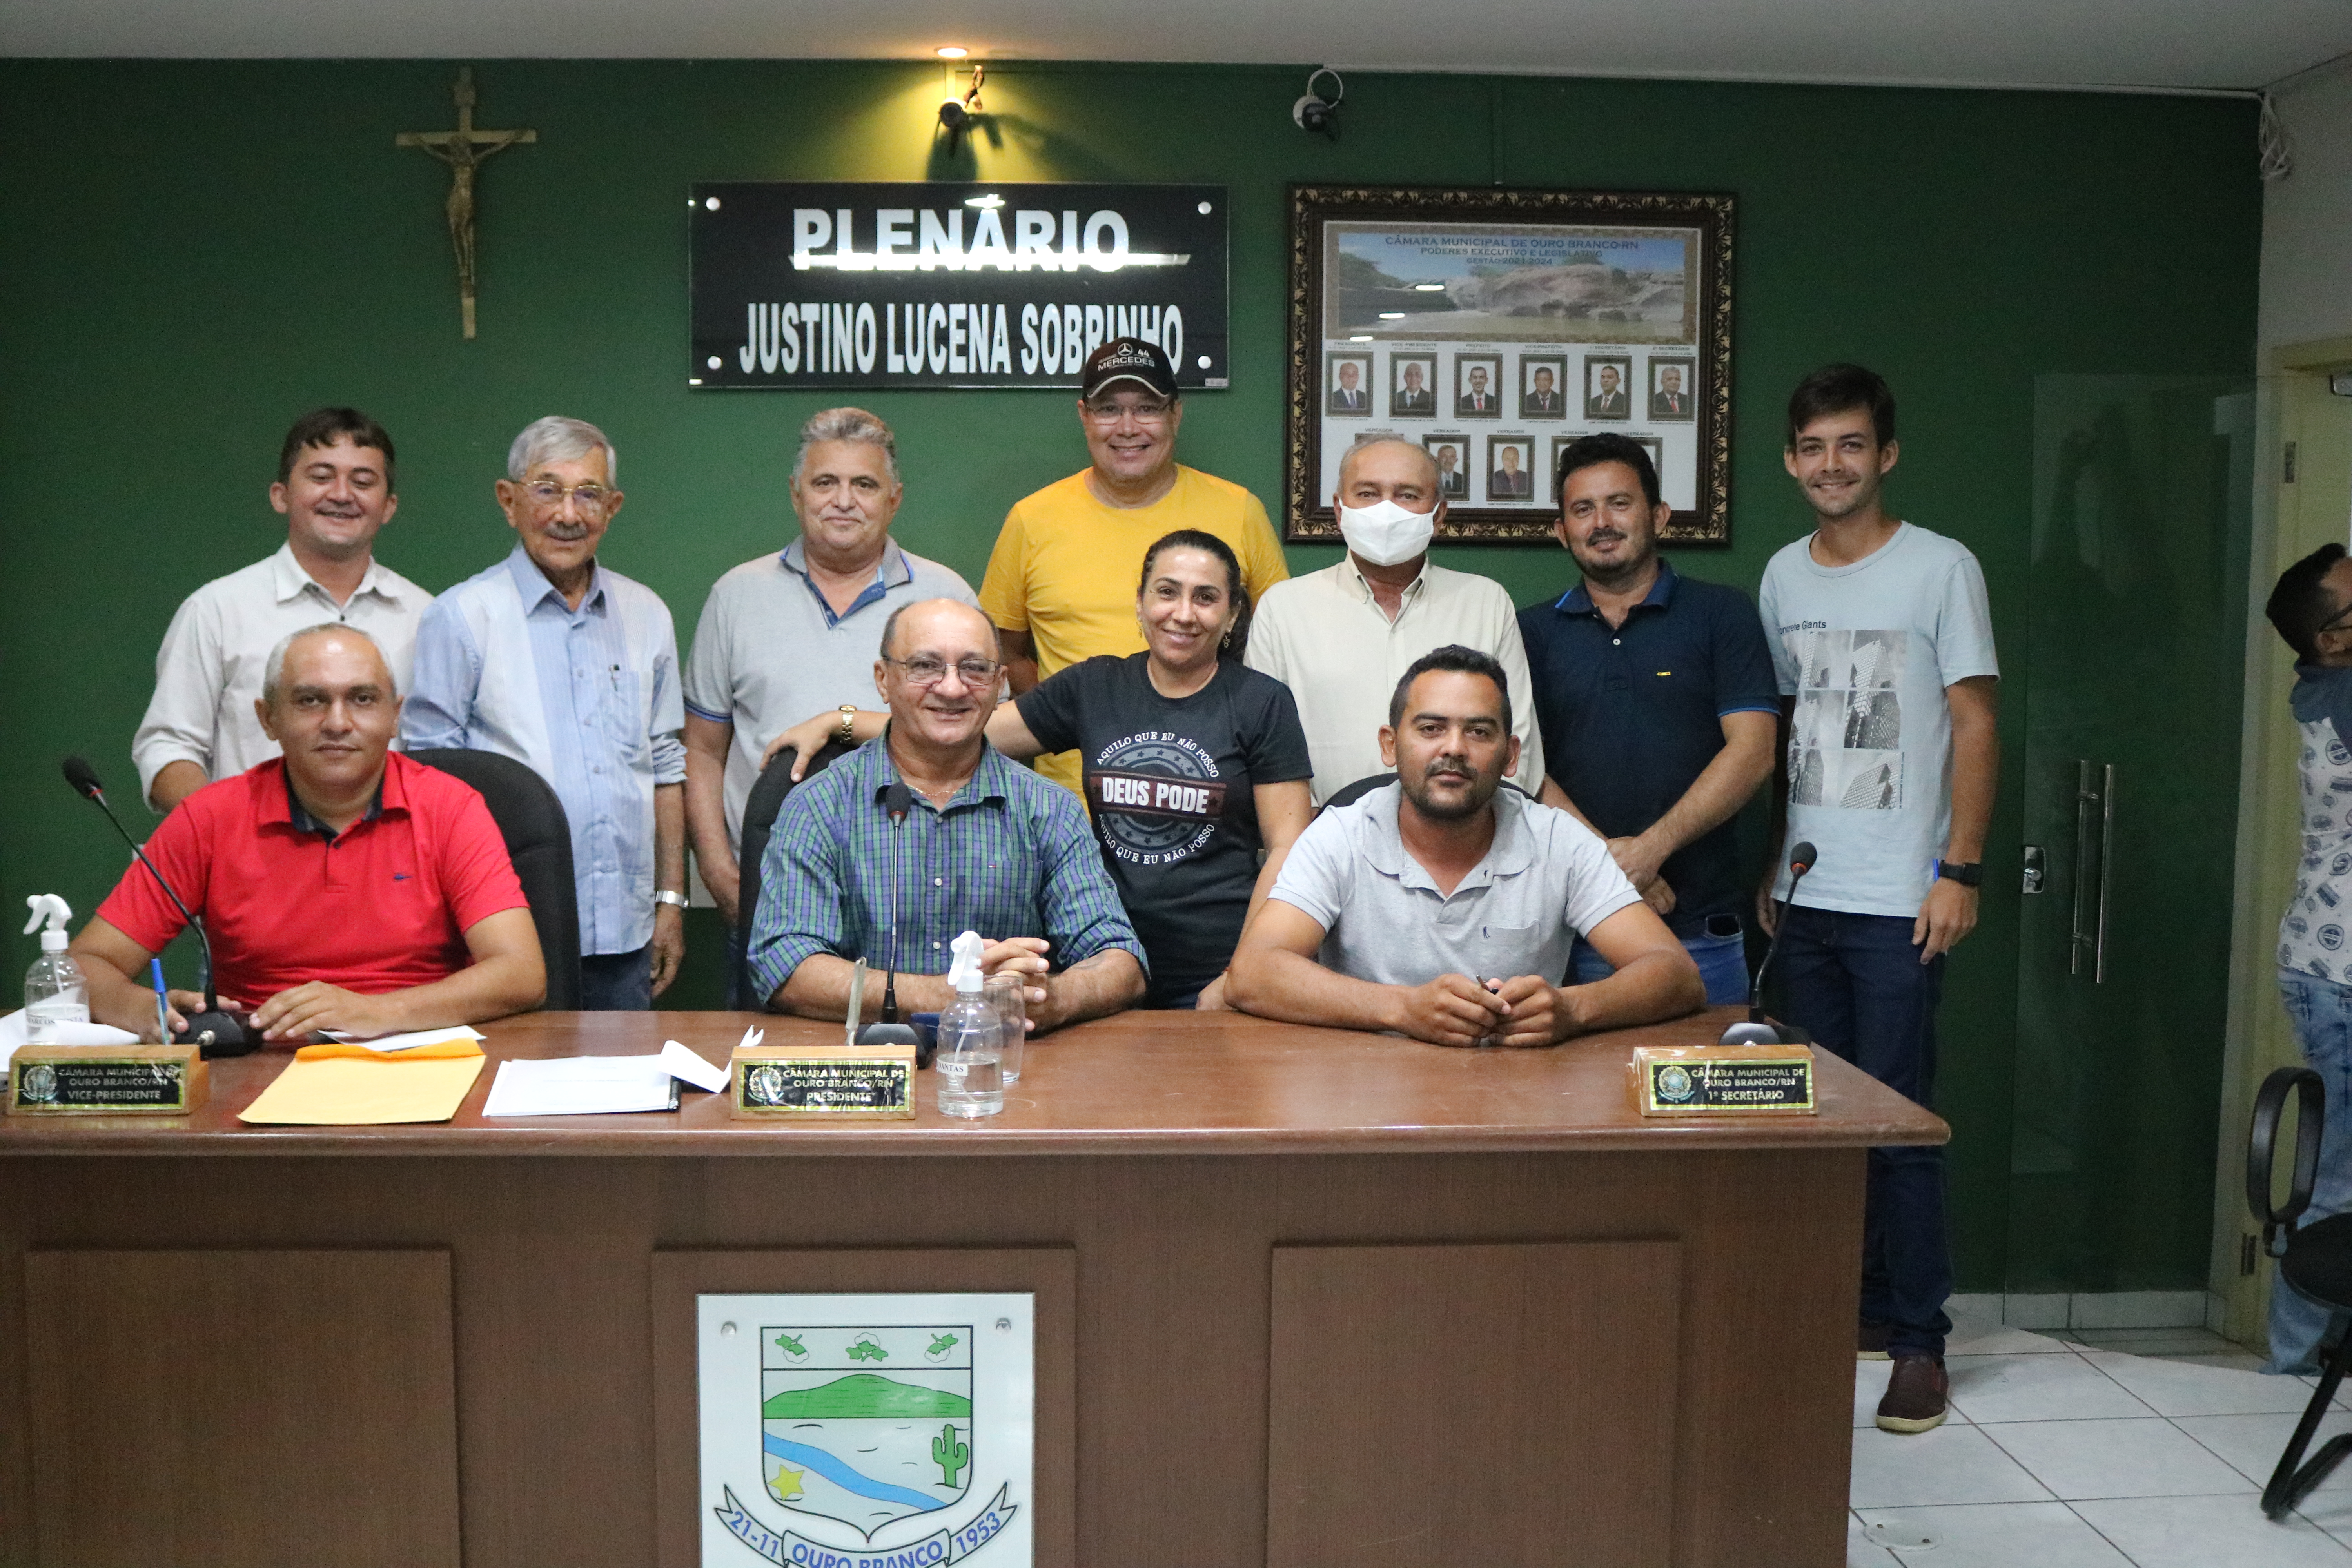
{"x":787,"y":636}
{"x":1437,"y":908}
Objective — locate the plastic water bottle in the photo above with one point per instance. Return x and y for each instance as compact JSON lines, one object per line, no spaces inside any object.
{"x":56,"y":990}
{"x":970,"y":1055}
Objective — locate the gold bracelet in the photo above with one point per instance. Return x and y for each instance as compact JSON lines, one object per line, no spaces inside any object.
{"x":848,"y":735}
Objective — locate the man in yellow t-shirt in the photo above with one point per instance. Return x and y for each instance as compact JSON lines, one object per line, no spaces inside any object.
{"x":1061,"y":582}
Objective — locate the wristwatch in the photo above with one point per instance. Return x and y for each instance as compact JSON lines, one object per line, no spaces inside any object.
{"x":665,"y":897}
{"x":848,"y":732}
{"x":1966,"y":873}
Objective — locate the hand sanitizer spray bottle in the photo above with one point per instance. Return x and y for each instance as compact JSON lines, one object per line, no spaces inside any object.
{"x":971,"y":1059}
{"x":56,"y":991}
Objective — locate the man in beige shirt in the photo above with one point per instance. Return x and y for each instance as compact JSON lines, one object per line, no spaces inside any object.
{"x":334,"y":487}
{"x":1341,"y":638}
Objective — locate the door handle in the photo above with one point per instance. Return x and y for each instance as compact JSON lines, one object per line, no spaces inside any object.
{"x":2095,"y":819}
{"x":2037,"y":866}
{"x":2080,"y":934}
{"x":2106,"y":857}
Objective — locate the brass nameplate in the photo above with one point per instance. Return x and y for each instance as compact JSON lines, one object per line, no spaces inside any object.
{"x":831,"y":1082}
{"x":106,"y":1080}
{"x":1723,"y":1080}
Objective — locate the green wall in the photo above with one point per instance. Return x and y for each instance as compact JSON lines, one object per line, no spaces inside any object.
{"x":192,"y":254}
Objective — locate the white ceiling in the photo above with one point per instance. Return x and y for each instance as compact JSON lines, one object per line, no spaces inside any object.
{"x":2053,"y":43}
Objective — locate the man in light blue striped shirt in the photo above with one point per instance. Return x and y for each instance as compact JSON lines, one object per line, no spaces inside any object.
{"x":572,"y":668}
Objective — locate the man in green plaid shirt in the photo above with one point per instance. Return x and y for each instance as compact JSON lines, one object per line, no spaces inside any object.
{"x":984,"y":846}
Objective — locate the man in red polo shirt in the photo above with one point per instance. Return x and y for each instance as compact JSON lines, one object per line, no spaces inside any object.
{"x":343,"y":887}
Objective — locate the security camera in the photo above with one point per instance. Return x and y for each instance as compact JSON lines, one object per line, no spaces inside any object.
{"x":952,"y":113}
{"x":1315,"y":113}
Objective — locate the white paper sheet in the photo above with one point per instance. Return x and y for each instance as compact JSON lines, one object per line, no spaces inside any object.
{"x":407,"y":1042}
{"x":12,"y":1034}
{"x":582,"y":1086}
{"x":686,"y":1065}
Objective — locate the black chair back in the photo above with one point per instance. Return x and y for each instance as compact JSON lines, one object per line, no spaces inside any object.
{"x":767,"y":798}
{"x":539,"y":842}
{"x":2316,"y":1259}
{"x":2262,"y":1150}
{"x":1349,"y":795}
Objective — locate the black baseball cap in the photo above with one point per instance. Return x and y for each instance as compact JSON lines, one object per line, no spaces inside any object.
{"x":1128,"y":359}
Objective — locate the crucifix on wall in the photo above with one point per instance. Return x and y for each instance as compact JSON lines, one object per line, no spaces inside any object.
{"x":463,"y":150}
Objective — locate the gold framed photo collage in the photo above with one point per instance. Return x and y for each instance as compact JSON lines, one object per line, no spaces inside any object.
{"x":1495,"y":327}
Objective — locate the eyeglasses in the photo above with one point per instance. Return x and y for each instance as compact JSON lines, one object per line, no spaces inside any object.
{"x":924,"y":670}
{"x":1107,"y":413}
{"x":592,"y":499}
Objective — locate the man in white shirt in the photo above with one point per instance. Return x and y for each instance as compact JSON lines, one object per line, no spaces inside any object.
{"x":1341,"y":638}
{"x":1443,"y":907}
{"x":1881,"y":642}
{"x":335,"y":488}
{"x":571,"y":668}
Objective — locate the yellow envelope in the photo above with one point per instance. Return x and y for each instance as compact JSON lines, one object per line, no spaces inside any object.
{"x":350,"y":1086}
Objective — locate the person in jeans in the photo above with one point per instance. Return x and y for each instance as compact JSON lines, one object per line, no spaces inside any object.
{"x":1654,"y":695}
{"x":2310,"y":608}
{"x":1882,"y":646}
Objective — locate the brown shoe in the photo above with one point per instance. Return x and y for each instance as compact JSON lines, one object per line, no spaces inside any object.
{"x":1916,"y":1395}
{"x":1870,"y":1342}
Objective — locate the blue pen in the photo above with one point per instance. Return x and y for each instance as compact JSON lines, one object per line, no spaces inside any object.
{"x":163,"y":1002}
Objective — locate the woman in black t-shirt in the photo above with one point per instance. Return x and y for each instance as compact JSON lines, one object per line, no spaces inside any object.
{"x":1194,"y":764}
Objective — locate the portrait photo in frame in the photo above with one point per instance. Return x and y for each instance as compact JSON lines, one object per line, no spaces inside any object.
{"x":1608,"y":386}
{"x":1413,"y":386}
{"x":1543,"y":386}
{"x":1511,"y":281}
{"x":1453,"y":455}
{"x":1478,"y":388}
{"x":1348,"y":393}
{"x":1510,"y":470}
{"x":1670,"y":389}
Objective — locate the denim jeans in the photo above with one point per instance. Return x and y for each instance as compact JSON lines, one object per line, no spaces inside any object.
{"x":1722,"y":960}
{"x":617,"y":982}
{"x":1856,"y":981}
{"x":2320,"y":1012}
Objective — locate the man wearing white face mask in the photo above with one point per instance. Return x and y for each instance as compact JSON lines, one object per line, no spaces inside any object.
{"x":1341,"y":638}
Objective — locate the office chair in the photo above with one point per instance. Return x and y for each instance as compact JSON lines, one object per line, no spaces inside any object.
{"x":2316,"y":1258}
{"x":539,"y":841}
{"x":766,"y":800}
{"x":1349,"y":795}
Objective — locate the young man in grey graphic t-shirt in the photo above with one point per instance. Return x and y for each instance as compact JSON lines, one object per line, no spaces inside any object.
{"x":1882,"y":646}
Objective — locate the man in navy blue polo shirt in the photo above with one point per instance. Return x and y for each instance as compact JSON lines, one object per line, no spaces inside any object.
{"x":1655,"y":698}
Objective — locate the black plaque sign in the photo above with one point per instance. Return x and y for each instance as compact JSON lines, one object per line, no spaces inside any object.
{"x":828,"y":1085}
{"x":1723,"y":1079}
{"x":98,"y":1084}
{"x":800,"y":287}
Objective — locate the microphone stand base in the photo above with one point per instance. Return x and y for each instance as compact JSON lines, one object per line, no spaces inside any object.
{"x":221,"y":1034}
{"x":1766,"y":1032}
{"x":899,"y":1035}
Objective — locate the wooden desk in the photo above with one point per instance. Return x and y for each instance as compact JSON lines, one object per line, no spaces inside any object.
{"x":1305,"y":1297}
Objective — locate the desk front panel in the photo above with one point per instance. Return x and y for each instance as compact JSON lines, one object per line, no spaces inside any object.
{"x":1181,"y":1288}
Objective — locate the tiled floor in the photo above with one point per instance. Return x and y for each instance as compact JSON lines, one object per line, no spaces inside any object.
{"x":2099,"y":1448}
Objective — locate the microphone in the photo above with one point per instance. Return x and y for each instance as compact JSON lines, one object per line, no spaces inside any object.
{"x":1756,"y":1029}
{"x":898,"y":800}
{"x":219,"y":1034}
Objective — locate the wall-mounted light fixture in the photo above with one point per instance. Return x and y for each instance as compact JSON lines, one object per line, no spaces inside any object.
{"x":956,"y":110}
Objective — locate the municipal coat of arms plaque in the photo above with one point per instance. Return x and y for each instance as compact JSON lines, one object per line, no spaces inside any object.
{"x":886,"y":1431}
